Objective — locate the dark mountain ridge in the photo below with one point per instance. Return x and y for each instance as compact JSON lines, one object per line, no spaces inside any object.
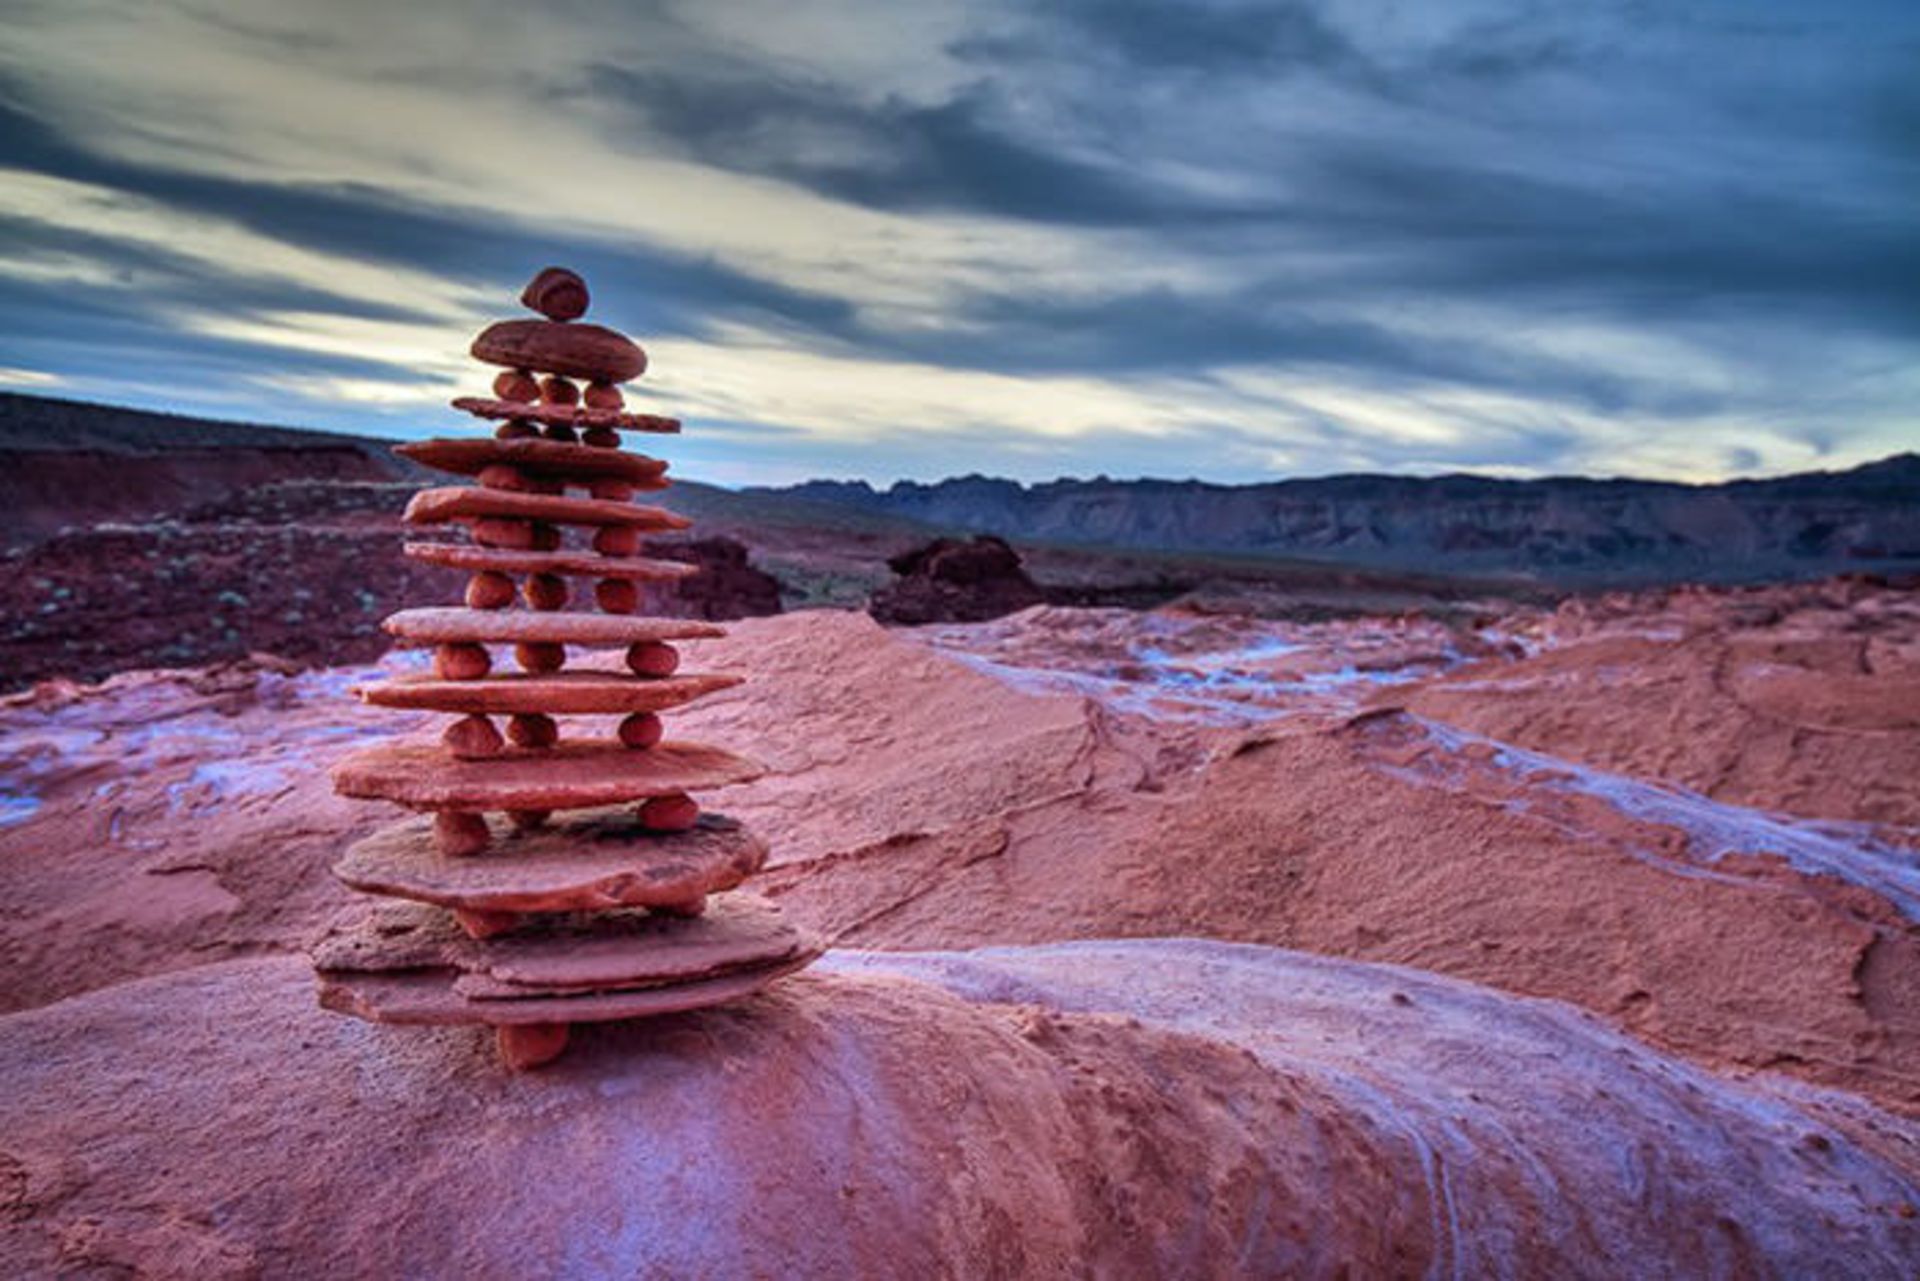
{"x":1574,"y":529}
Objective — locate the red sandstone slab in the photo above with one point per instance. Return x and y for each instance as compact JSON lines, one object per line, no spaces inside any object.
{"x":427,"y":996}
{"x":592,"y":352}
{"x":471,"y":502}
{"x":451,"y":625}
{"x":574,"y":774}
{"x":593,"y":861}
{"x":543,"y":459}
{"x":556,"y":694}
{"x":571,"y":564}
{"x":566,"y":415}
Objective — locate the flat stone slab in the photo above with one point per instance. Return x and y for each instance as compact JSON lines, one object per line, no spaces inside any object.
{"x":557,"y":694}
{"x":574,"y":774}
{"x":566,"y":563}
{"x":566,"y":415}
{"x":409,"y":963}
{"x":453,"y":625}
{"x":594,"y":860}
{"x":543,"y":459}
{"x":472,"y":502}
{"x":592,"y":352}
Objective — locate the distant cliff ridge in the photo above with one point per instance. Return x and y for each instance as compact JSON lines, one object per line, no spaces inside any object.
{"x":1564,"y":528}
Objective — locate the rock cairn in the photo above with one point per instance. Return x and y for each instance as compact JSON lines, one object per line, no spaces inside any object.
{"x":549,"y":880}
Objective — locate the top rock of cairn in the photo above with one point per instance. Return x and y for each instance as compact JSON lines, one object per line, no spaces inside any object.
{"x":604,"y":914}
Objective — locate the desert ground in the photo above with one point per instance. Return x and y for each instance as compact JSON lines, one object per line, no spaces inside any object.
{"x":1467,"y":937}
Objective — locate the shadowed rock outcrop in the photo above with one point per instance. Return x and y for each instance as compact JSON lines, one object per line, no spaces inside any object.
{"x":954,"y":580}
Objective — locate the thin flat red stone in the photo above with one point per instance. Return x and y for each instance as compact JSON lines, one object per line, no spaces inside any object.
{"x":566,"y":415}
{"x":556,"y":693}
{"x":427,"y":996}
{"x":571,"y":564}
{"x":471,"y":502}
{"x":594,"y":861}
{"x":452,"y":625}
{"x":544,"y":459}
{"x":592,"y":352}
{"x":572,"y":775}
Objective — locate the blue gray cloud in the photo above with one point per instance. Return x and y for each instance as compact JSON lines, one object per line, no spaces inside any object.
{"x":881,"y":239}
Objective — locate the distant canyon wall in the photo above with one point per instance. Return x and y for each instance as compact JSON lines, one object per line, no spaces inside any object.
{"x":1564,"y":528}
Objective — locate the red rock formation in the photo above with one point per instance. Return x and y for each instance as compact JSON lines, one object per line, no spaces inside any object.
{"x":955,"y":580}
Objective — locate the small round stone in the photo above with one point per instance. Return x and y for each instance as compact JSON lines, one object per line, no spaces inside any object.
{"x":601,"y":438}
{"x":511,"y":535}
{"x":613,"y":491}
{"x":616,"y":596}
{"x":641,"y":730}
{"x":555,"y":390}
{"x":516,"y":429}
{"x":557,"y":294}
{"x":653,"y":658}
{"x":503,"y":476}
{"x":545,"y":591}
{"x":516,"y":385}
{"x":544,"y":537}
{"x":525,"y":1046}
{"x":533,"y":729}
{"x":473,"y":738}
{"x":676,"y":813}
{"x":563,"y":433}
{"x":540,"y":656}
{"x":459,"y":834}
{"x":604,"y":396}
{"x":462,"y":662}
{"x":489,"y":590}
{"x":616,"y":540}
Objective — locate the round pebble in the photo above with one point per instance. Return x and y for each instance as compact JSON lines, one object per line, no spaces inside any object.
{"x":545,"y":537}
{"x":545,"y":591}
{"x":459,"y":834}
{"x":653,"y":658}
{"x":641,"y":730}
{"x":533,"y":729}
{"x":604,"y":396}
{"x":563,"y":433}
{"x":540,"y":656}
{"x":601,"y":438}
{"x":493,"y":531}
{"x":516,"y":385}
{"x":473,"y":738}
{"x":462,"y":662}
{"x":616,"y":540}
{"x":616,"y":596}
{"x":488,"y":590}
{"x":674,"y":813}
{"x":516,"y":429}
{"x":556,"y":390}
{"x":503,"y":476}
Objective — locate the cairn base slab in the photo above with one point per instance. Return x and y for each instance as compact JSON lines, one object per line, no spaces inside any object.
{"x":408,"y":963}
{"x":596,"y":860}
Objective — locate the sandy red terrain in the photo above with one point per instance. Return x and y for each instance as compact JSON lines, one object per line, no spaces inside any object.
{"x":1577,"y":943}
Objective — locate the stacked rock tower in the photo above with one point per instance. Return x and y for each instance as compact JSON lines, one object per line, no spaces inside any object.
{"x":550,"y":880}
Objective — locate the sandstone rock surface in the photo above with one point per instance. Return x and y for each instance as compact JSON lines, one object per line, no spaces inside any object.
{"x":1166,"y":1108}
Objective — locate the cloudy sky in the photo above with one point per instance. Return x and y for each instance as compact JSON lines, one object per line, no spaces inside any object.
{"x":916,"y":238}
